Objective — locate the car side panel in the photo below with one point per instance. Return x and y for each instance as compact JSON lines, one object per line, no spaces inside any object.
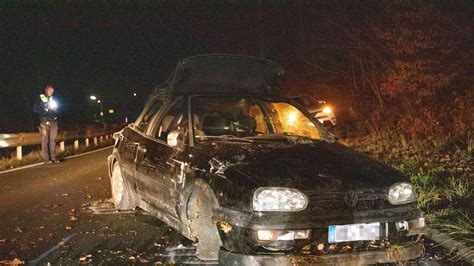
{"x":157,"y":175}
{"x":127,"y":150}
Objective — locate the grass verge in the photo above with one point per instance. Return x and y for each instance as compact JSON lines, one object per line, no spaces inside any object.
{"x":440,"y":168}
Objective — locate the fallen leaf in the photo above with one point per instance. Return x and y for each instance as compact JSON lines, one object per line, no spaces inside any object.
{"x":15,"y":261}
{"x":131,"y":258}
{"x":85,"y":258}
{"x":68,"y":227}
{"x":64,"y":194}
{"x":73,"y":218}
{"x":346,"y":248}
{"x":18,"y":230}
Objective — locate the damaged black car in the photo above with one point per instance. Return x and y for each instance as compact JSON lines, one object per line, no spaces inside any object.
{"x":253,"y":178}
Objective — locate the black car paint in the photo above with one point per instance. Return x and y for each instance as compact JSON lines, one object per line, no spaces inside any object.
{"x":234,"y":170}
{"x":160,"y":178}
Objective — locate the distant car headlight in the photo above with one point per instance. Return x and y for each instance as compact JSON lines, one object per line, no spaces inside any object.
{"x":327,"y":110}
{"x":279,"y":199}
{"x":401,"y":193}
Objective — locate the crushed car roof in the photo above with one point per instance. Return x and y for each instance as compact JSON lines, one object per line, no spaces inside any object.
{"x":222,"y":74}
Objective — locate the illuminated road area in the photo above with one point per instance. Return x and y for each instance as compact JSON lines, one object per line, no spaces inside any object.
{"x":61,"y":213}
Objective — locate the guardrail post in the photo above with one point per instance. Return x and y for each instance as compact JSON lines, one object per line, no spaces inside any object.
{"x":61,"y":146}
{"x":19,"y":152}
{"x":87,"y":142}
{"x":101,"y":139}
{"x":107,"y":137}
{"x":95,"y":141}
{"x":76,"y":144}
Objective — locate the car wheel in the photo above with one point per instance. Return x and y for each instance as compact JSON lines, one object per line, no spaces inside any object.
{"x":120,"y":194}
{"x":199,"y":212}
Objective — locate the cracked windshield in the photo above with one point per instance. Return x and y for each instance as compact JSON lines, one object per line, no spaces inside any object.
{"x":228,"y":117}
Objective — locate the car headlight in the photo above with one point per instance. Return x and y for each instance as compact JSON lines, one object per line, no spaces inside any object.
{"x":279,"y":199}
{"x":401,"y":193}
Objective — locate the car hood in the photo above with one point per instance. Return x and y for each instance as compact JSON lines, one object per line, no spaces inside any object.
{"x":319,"y":166}
{"x":224,"y":74}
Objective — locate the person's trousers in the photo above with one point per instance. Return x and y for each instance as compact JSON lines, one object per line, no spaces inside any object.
{"x":49,"y":131}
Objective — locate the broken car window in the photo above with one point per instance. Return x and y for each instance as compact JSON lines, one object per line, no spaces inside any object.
{"x":286,"y":118}
{"x":147,"y":114}
{"x":246,"y":118}
{"x":172,"y":119}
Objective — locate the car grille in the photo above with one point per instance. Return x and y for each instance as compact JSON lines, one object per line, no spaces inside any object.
{"x":361,"y":200}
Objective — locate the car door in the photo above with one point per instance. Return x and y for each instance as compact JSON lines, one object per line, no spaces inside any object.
{"x":127,"y":150}
{"x":130,"y":140}
{"x":157,"y":171}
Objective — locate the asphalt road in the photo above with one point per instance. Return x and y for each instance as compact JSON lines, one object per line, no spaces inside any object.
{"x":62,"y":214}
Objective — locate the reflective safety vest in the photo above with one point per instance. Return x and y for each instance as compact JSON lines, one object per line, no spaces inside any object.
{"x":45,"y":98}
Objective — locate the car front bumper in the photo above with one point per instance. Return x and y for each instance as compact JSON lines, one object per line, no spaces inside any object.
{"x":239,"y":235}
{"x":400,"y":253}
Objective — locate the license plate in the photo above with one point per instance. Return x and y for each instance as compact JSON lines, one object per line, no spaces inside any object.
{"x":353,"y":232}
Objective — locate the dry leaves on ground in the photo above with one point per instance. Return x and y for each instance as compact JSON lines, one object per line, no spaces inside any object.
{"x":15,"y":261}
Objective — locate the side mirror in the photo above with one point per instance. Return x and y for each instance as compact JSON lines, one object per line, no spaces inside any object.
{"x":175,"y":138}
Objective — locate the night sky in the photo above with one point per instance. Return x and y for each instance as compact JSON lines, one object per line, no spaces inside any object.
{"x":114,"y":48}
{"x":108,"y":48}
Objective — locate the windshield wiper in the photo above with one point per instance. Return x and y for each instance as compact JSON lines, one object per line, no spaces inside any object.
{"x":226,"y":137}
{"x":286,"y":136}
{"x":290,"y":135}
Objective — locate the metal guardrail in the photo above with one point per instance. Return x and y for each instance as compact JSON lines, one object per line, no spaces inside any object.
{"x":19,"y":140}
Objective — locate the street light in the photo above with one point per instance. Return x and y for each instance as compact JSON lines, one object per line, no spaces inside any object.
{"x":134,"y":94}
{"x":94,"y":98}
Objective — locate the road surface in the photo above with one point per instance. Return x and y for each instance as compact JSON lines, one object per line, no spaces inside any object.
{"x":61,"y":213}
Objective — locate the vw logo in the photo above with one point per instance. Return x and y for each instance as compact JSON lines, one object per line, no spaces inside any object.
{"x":351,"y":199}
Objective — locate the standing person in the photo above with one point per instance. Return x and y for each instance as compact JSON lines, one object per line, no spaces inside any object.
{"x":47,"y":108}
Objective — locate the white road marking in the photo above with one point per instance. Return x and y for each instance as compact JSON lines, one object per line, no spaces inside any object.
{"x":49,"y":251}
{"x":37,"y":164}
{"x":20,"y":168}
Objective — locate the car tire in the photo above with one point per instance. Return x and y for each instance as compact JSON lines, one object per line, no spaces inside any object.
{"x":121,"y":195}
{"x":199,"y":213}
